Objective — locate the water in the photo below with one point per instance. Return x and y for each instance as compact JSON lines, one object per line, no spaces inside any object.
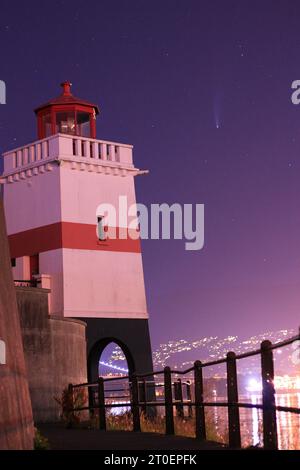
{"x":288,"y":424}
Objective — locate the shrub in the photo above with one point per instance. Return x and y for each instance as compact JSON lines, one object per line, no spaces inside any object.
{"x":68,"y":400}
{"x":40,"y":442}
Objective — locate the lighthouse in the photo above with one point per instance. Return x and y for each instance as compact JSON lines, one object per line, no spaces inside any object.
{"x":60,"y":239}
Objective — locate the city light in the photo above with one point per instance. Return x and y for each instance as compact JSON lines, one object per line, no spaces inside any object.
{"x":254,"y":385}
{"x":112,"y":366}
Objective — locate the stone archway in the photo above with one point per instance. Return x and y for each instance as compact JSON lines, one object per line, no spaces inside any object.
{"x":96,"y":353}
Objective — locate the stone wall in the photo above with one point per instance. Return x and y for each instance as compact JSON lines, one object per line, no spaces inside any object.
{"x":16,"y":424}
{"x":55,"y":352}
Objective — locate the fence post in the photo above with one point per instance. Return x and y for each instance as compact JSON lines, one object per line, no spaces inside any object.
{"x":268,"y":396}
{"x":71,"y":395}
{"x":168,"y":401}
{"x":199,"y":408}
{"x":91,"y":400}
{"x":135,"y":404}
{"x":179,"y":398}
{"x":232,"y":398}
{"x":101,"y":404}
{"x":189,"y":398}
{"x":143,"y":395}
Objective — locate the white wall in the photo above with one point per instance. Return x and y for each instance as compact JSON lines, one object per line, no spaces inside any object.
{"x":32,"y":202}
{"x":103,"y":284}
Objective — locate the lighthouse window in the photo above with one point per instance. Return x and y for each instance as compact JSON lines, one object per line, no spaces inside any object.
{"x":100,"y":229}
{"x":65,"y":123}
{"x":83,"y":124}
{"x":46,"y":120}
{"x":34,"y":265}
{"x":13,"y":262}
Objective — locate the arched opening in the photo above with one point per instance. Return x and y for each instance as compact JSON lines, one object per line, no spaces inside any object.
{"x":112,"y":352}
{"x":111,"y":358}
{"x":113,"y":362}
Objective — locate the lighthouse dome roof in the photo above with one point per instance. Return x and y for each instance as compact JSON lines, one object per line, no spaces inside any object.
{"x":66,"y":98}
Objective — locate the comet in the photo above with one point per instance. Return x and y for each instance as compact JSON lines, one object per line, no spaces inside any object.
{"x":216,"y":110}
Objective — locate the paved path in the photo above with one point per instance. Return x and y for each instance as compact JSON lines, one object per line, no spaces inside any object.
{"x":91,"y":439}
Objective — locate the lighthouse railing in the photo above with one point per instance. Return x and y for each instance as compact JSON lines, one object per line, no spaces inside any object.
{"x":60,"y":146}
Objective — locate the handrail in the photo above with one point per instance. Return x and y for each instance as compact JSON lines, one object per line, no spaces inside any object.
{"x":213,"y":404}
{"x":140,"y":401}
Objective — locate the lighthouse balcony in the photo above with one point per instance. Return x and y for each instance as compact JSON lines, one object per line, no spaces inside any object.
{"x":60,"y":147}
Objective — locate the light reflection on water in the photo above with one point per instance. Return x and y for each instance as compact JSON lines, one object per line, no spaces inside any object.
{"x":288,"y":424}
{"x":255,"y":422}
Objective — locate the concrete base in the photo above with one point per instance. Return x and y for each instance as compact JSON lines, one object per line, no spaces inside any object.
{"x":55,"y":352}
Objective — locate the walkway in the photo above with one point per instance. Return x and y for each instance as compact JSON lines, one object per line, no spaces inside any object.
{"x":92,"y":439}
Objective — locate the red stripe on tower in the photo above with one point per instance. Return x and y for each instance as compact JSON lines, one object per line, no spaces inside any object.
{"x":73,"y":236}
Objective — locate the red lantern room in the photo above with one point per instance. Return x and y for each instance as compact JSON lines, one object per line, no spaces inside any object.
{"x":67,"y":114}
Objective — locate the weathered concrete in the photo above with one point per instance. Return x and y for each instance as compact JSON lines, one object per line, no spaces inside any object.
{"x":55,"y":352}
{"x":16,"y":424}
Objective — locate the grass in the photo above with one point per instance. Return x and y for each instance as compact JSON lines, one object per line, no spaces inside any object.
{"x":184,"y":427}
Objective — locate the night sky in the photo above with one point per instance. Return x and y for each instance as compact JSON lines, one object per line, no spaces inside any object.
{"x":202,"y":89}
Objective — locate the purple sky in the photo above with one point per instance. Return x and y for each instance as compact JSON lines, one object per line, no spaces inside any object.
{"x":164,"y":74}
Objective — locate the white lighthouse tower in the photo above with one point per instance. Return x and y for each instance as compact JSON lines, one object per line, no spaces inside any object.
{"x":58,"y":237}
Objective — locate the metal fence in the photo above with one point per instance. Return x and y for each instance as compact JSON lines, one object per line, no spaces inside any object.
{"x":173,"y":395}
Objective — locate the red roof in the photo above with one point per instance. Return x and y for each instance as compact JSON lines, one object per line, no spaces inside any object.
{"x":67,"y":98}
